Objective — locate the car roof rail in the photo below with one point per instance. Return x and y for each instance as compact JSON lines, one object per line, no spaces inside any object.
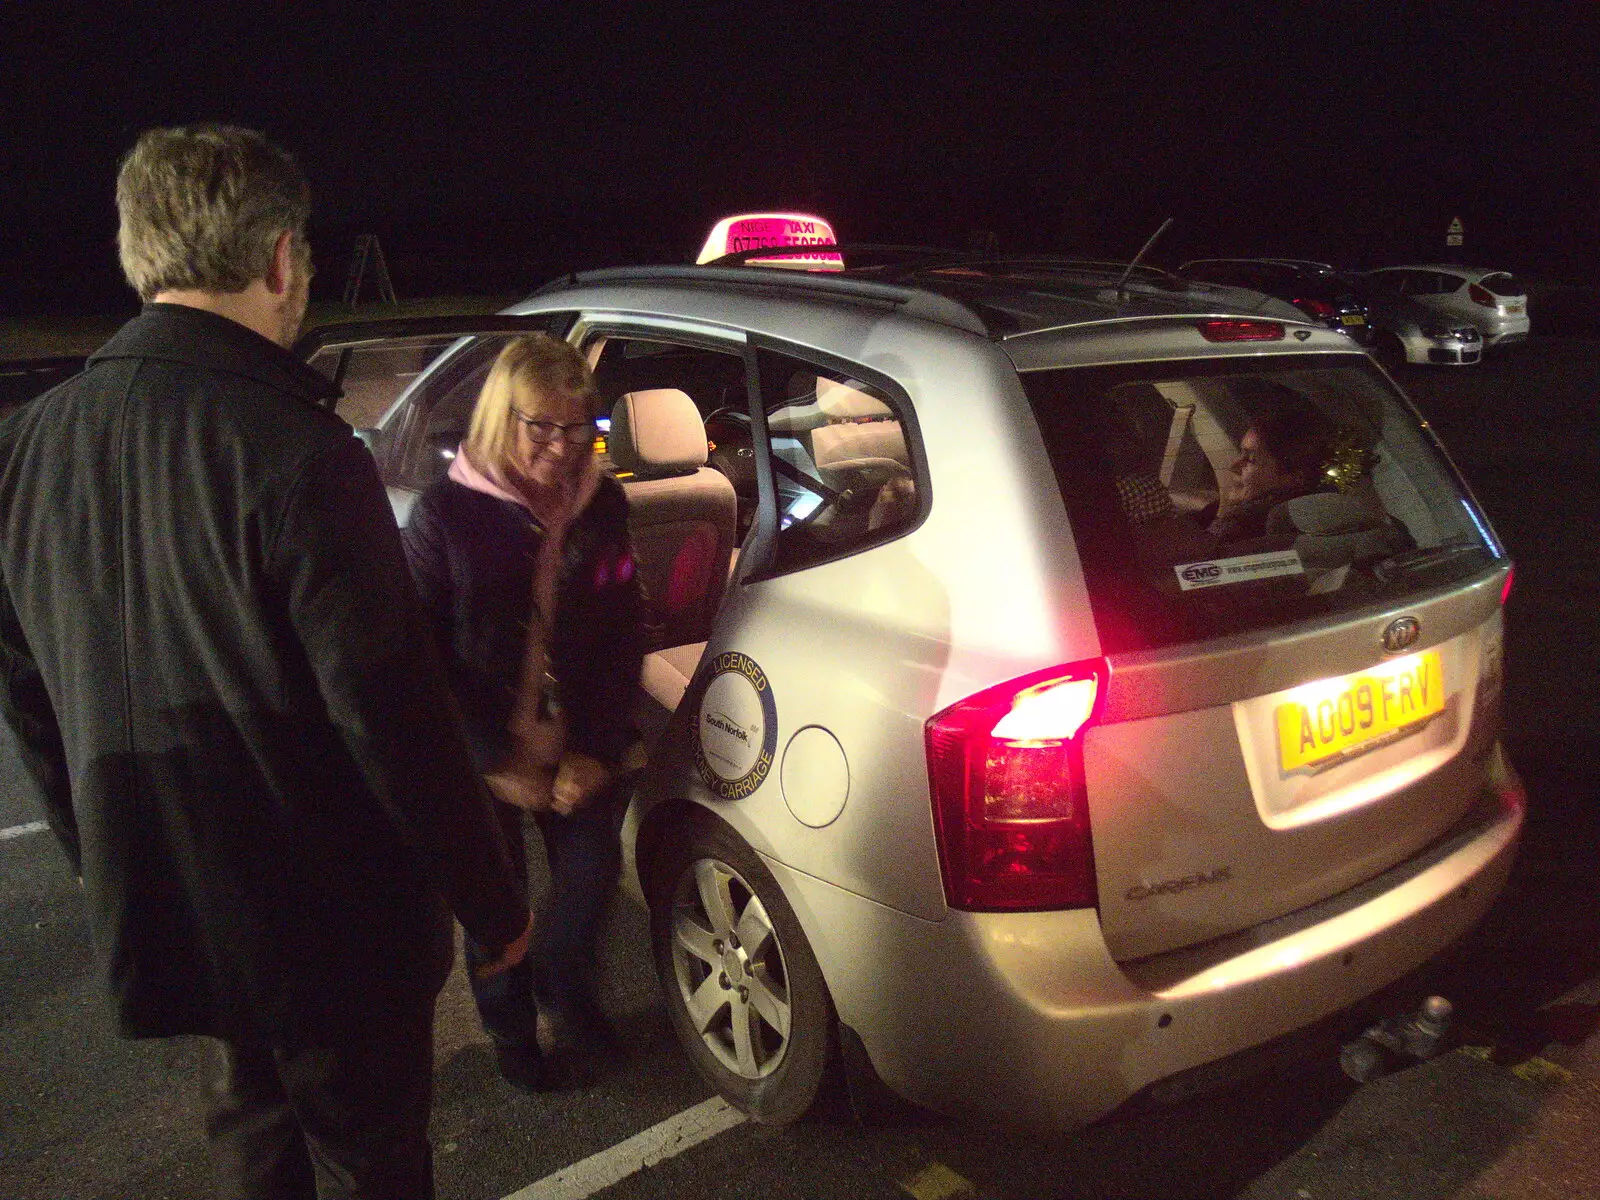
{"x":913,"y":301}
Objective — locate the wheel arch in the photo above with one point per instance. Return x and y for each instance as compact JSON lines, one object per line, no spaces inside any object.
{"x":674,"y":826}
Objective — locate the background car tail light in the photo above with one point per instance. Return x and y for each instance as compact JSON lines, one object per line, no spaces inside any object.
{"x":1317,"y":308}
{"x":1005,"y":768}
{"x":1480,"y":295}
{"x":1505,"y":588}
{"x":1241,"y":331}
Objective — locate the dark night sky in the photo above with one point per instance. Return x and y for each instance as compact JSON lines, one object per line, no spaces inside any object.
{"x":492,"y":148}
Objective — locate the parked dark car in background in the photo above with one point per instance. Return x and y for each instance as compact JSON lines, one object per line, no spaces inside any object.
{"x":1316,"y":289}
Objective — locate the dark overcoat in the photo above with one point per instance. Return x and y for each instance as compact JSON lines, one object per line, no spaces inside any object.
{"x":220,"y":678}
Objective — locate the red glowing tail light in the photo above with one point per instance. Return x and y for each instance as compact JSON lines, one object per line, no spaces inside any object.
{"x":1505,"y":588}
{"x":1317,"y":308}
{"x":1005,"y":767}
{"x":1481,"y":295}
{"x":1241,"y":331}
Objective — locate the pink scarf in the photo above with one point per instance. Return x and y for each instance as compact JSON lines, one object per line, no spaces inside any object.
{"x":525,"y":725}
{"x":465,"y":472}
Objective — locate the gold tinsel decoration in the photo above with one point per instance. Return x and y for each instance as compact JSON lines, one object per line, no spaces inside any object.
{"x":1348,"y":461}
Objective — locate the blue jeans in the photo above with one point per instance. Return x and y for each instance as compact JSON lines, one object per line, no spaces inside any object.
{"x":585,"y":860}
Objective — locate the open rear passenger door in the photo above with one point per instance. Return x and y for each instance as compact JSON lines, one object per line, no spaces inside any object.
{"x":409,"y":384}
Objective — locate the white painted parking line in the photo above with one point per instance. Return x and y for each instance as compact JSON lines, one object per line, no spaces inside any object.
{"x":656,"y":1144}
{"x":17,"y":831}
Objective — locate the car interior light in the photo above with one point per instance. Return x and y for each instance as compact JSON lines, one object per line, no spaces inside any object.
{"x":1241,"y":331}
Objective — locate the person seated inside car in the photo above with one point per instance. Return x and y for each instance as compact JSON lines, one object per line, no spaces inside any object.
{"x":1282,"y":455}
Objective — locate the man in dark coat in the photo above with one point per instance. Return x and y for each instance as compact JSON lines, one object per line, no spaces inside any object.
{"x":221,"y":681}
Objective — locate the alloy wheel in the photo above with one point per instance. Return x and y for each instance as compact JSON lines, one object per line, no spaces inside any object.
{"x":730,"y":969}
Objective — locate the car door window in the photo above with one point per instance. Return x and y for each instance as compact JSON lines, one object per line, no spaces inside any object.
{"x":846,"y":468}
{"x":409,"y":395}
{"x":1212,"y":273}
{"x":1503,"y":285}
{"x":1246,"y":275}
{"x":1422,"y":283}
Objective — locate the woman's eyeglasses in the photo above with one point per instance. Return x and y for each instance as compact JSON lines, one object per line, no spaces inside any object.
{"x":544,"y":432}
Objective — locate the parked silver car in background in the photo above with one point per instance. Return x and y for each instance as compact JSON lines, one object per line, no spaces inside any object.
{"x":984,"y":757}
{"x":1493,"y":302}
{"x":1405,"y":331}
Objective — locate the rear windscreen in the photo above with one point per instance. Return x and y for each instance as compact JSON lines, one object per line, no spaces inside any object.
{"x":1502,"y":284}
{"x":1213,"y":497}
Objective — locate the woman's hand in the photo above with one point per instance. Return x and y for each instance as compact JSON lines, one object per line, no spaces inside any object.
{"x":578,"y":778}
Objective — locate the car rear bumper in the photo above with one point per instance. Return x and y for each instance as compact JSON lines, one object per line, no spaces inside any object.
{"x":1025,"y":1017}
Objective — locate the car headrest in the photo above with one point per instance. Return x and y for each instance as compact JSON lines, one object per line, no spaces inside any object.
{"x":800,"y":415}
{"x":841,"y":402}
{"x":1326,"y":514}
{"x":657,"y":432}
{"x":834,"y":444}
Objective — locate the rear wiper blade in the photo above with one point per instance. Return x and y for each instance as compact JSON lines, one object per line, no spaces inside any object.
{"x":1423,"y":558}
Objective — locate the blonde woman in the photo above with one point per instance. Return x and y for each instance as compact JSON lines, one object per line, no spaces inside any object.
{"x":521,"y":557}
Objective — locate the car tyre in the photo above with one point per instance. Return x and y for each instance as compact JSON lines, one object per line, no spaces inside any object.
{"x":743,"y":989}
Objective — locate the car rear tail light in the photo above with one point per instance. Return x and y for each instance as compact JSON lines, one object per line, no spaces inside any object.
{"x":1005,"y":769}
{"x":1241,"y":331}
{"x":1481,"y":295}
{"x":1317,"y":308}
{"x":1505,"y":588}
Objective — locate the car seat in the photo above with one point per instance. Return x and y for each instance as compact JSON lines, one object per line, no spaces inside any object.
{"x":681,"y":513}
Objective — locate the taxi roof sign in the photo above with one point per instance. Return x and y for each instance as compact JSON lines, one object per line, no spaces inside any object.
{"x":756,"y":231}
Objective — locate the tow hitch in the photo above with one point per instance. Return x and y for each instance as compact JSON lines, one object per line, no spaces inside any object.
{"x":1388,"y":1044}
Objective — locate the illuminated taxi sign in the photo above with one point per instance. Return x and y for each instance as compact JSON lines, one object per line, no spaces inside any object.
{"x":754,"y":231}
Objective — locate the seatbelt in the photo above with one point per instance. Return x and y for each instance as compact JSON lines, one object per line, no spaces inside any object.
{"x":1180,"y":426}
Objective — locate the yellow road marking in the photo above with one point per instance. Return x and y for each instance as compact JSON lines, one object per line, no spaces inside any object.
{"x":1534,"y":1070}
{"x":938,"y":1182}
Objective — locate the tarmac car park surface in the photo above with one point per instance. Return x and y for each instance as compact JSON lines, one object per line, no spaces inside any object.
{"x":83,"y":1115}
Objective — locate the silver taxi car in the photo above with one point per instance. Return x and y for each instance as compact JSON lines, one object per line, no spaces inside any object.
{"x":990,"y":754}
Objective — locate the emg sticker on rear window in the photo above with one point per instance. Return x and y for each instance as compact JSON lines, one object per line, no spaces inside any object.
{"x":1218,"y":571}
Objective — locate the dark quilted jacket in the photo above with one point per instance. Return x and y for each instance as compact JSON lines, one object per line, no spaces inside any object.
{"x":472,"y":556}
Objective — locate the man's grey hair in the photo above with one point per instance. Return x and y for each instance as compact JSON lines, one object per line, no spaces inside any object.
{"x":202,"y":207}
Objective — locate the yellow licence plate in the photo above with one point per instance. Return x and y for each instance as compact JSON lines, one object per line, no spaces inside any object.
{"x":1353,"y":319}
{"x":1329,"y":719}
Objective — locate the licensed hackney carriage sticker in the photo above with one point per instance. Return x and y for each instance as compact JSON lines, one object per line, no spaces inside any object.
{"x":736,"y":731}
